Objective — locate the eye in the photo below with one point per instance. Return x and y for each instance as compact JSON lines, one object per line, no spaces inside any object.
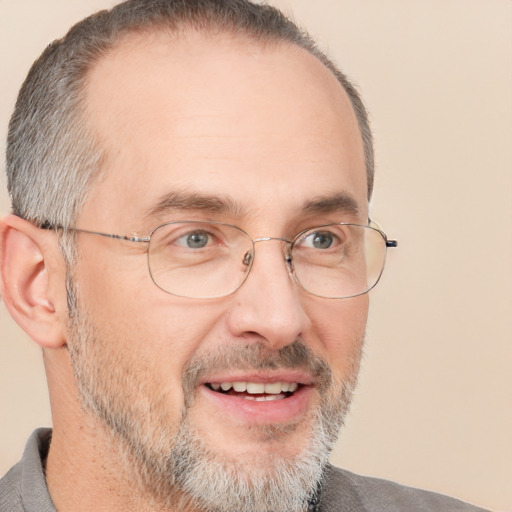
{"x":195,"y":240}
{"x":319,"y":240}
{"x":322,"y":240}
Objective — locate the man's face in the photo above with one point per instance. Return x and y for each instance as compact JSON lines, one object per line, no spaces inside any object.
{"x":218,"y":129}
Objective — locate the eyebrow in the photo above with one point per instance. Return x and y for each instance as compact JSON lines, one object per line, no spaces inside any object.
{"x":184,"y":201}
{"x":175,"y":201}
{"x":339,"y":202}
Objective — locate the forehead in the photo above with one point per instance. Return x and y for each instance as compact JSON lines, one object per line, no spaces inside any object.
{"x":217,"y":114}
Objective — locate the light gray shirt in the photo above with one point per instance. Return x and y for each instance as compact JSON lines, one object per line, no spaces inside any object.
{"x":24,"y":489}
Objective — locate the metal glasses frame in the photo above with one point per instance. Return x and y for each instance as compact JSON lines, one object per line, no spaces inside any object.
{"x":288,"y":258}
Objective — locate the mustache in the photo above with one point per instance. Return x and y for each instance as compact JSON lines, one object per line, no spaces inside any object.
{"x":256,"y":356}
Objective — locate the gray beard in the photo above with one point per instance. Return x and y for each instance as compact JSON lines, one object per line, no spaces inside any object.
{"x":170,"y":461}
{"x":283,"y":485}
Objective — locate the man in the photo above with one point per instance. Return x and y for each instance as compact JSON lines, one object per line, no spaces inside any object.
{"x":190,"y":245}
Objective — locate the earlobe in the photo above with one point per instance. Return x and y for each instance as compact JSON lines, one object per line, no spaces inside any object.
{"x":25,"y":256}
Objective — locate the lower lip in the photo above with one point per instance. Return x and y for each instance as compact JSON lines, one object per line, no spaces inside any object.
{"x":260,"y":413}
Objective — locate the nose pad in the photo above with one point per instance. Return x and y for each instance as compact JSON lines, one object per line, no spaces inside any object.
{"x":247,"y":260}
{"x":289,"y":261}
{"x":289,"y":265}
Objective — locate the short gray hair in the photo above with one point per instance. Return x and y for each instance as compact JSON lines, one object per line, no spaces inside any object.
{"x":52,"y":157}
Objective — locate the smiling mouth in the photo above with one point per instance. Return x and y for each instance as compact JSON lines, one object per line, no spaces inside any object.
{"x":256,"y":391}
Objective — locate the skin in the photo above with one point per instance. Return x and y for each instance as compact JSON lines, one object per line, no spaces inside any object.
{"x":271,"y":131}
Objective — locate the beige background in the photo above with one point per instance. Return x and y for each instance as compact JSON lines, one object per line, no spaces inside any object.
{"x":434,"y":406}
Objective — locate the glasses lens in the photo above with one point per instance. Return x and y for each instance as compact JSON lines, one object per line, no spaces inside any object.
{"x":339,"y":260}
{"x":199,"y":259}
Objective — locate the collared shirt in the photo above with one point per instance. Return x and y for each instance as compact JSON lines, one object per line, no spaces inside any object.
{"x":23,"y":488}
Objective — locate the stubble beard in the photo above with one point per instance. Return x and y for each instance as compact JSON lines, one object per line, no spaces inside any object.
{"x":169,"y":459}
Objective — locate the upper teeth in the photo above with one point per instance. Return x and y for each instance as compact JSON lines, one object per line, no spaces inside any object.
{"x":255,"y":388}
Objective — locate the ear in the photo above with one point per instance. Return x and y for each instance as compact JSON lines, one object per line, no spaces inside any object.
{"x":32,"y":280}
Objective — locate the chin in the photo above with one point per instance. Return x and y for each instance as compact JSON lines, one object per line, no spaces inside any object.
{"x":278,"y":471}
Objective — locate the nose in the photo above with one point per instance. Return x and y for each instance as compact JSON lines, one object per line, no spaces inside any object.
{"x":268,"y":306}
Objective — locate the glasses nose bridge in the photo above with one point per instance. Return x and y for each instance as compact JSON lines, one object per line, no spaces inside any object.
{"x":268,"y":238}
{"x":288,"y":243}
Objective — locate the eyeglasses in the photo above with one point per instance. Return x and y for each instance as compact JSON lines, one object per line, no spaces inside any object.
{"x":206,"y":260}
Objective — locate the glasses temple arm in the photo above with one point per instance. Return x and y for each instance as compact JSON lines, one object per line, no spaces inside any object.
{"x":48,"y":225}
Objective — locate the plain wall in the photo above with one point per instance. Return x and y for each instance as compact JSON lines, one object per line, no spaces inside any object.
{"x":434,"y":404}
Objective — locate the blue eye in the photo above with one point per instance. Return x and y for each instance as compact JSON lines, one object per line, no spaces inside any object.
{"x":196,"y":240}
{"x":319,"y":240}
{"x":322,"y":240}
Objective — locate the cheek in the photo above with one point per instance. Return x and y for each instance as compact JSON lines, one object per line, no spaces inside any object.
{"x":153,"y":334}
{"x":339,"y":327}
